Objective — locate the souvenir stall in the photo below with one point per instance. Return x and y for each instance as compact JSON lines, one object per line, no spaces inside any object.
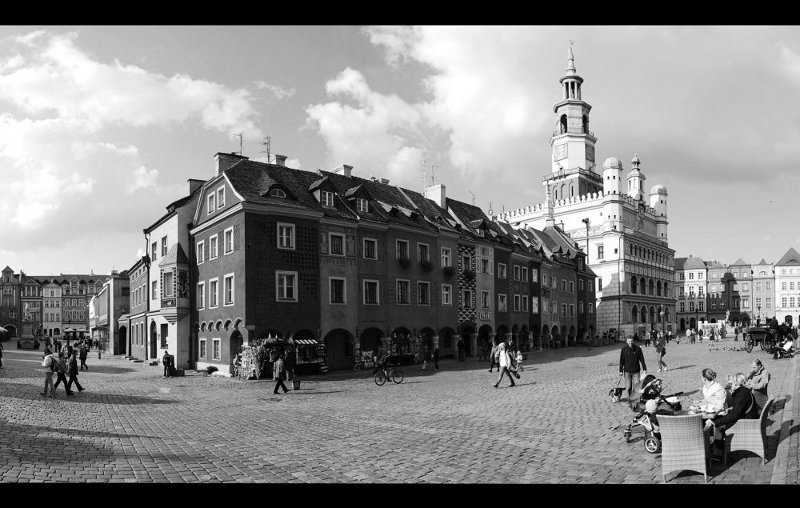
{"x":402,"y":348}
{"x":307,"y":356}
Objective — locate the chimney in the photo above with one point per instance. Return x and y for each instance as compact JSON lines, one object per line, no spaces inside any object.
{"x":385,"y":181}
{"x":223,"y":161}
{"x":437,"y":194}
{"x":344,"y":169}
{"x":280,"y":160}
{"x":195,"y":184}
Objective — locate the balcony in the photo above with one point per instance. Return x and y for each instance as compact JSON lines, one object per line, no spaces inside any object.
{"x":567,"y":172}
{"x":559,"y":133}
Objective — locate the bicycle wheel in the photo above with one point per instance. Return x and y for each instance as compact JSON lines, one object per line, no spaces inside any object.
{"x":380,"y":378}
{"x":397,"y":376}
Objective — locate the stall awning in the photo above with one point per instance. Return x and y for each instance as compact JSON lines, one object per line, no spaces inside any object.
{"x":306,"y":342}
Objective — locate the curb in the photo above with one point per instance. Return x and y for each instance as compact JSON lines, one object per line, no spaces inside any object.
{"x":781,"y":467}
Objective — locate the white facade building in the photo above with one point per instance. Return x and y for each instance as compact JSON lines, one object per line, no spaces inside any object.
{"x":787,"y":288}
{"x":626,"y":226}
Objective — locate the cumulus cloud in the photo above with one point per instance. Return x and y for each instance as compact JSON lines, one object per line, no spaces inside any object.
{"x":398,"y":41}
{"x":142,"y":178}
{"x":278,"y":91}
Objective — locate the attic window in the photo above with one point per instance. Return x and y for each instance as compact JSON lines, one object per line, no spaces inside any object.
{"x":277,"y":193}
{"x":326,"y":198}
{"x":362,"y":205}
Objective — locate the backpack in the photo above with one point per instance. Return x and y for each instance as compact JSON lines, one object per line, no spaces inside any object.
{"x":49,"y":362}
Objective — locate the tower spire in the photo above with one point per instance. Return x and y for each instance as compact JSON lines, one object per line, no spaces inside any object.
{"x":570,"y":60}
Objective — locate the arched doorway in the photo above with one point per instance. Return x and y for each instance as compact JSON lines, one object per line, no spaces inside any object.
{"x":426,"y":334}
{"x":446,"y":342}
{"x":712,"y":320}
{"x":788,"y":320}
{"x":236,"y":340}
{"x":370,"y":341}
{"x":515,"y":335}
{"x":400,"y":343}
{"x":500,"y":335}
{"x":153,"y":340}
{"x":122,"y":340}
{"x":683,"y":324}
{"x":339,"y":349}
{"x":11,"y":331}
{"x":555,"y":337}
{"x":485,"y":334}
{"x":692,"y":324}
{"x":465,"y":333}
{"x":525,"y":338}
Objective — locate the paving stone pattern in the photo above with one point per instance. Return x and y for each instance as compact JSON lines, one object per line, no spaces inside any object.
{"x":557,"y":425}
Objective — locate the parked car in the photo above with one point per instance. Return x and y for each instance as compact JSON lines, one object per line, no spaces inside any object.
{"x":28,"y":343}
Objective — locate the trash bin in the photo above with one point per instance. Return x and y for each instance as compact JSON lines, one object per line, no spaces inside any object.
{"x":296,"y":382}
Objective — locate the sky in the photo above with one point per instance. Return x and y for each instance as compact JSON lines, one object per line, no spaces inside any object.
{"x":101,"y":127}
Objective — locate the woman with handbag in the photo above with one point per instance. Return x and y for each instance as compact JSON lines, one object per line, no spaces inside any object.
{"x":661,"y":350}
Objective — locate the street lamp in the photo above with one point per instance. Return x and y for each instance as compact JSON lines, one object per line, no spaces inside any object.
{"x":620,"y":254}
{"x":758,"y":319}
{"x":586,"y":221}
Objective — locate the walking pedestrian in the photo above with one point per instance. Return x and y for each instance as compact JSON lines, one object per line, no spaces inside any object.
{"x":519,"y":362}
{"x":61,"y":373}
{"x":426,"y":356}
{"x":289,"y":363}
{"x":73,"y":373}
{"x":277,"y":373}
{"x":84,"y":352}
{"x":630,"y":357}
{"x":661,"y":350}
{"x":647,"y":337}
{"x":461,"y":352}
{"x":167,"y":361}
{"x":505,"y":364}
{"x":494,"y":356}
{"x":436,"y":359}
{"x":49,"y":363}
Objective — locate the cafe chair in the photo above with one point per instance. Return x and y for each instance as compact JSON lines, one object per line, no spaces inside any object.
{"x":684,"y":445}
{"x":749,"y":435}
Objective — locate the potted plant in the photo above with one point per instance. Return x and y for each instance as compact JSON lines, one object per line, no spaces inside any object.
{"x":426,"y":265}
{"x":449,"y":271}
{"x":469,"y":274}
{"x":404,"y":262}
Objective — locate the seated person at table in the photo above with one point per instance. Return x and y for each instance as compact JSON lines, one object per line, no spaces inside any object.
{"x":744,"y":406}
{"x":757,"y":381}
{"x":714,"y":394}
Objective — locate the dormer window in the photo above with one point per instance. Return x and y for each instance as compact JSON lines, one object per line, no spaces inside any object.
{"x":362,"y":205}
{"x":326,"y":198}
{"x":277,"y":193}
{"x":212,"y":204}
{"x":220,"y":197}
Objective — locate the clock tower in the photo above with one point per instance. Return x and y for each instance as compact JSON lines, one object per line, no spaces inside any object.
{"x":572,"y":142}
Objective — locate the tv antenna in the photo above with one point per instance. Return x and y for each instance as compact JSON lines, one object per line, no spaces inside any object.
{"x":424,"y":175}
{"x":433,"y":169}
{"x":473,"y":197}
{"x":267,"y":146}
{"x":241,"y":138}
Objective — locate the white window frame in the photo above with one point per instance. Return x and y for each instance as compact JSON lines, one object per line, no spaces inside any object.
{"x":225,"y":278}
{"x":220,"y":197}
{"x":295,"y":286}
{"x":364,"y":242}
{"x":486,"y":299}
{"x":211,"y":203}
{"x":291,"y":228}
{"x":420,"y":285}
{"x":213,"y":245}
{"x":516,"y":272}
{"x":516,"y":303}
{"x":216,"y":349}
{"x":447,"y":295}
{"x":323,"y":195}
{"x":377,"y":291}
{"x":201,"y":252}
{"x":467,"y":302}
{"x":330,"y":244}
{"x":419,"y":251}
{"x":397,"y":291}
{"x":225,"y":240}
{"x":502,"y":271}
{"x":344,"y":290}
{"x":154,"y":290}
{"x":201,"y":290}
{"x":203,"y":349}
{"x":502,"y":302}
{"x":447,"y":256}
{"x":213,"y":303}
{"x":362,"y":205}
{"x":164,"y":246}
{"x":397,"y":250}
{"x":534,"y":305}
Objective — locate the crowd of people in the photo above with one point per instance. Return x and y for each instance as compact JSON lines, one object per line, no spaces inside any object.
{"x":63,"y":362}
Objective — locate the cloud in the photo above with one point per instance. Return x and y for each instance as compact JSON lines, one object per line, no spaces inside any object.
{"x":279,"y":92}
{"x":142,"y":178}
{"x":398,"y":42}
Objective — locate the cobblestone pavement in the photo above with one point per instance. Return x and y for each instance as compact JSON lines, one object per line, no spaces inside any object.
{"x":557,"y":425}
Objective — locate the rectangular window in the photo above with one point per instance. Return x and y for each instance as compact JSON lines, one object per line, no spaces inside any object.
{"x":485,"y":264}
{"x":791,"y":286}
{"x":600,"y":251}
{"x":700,"y":306}
{"x":791,"y":301}
{"x":362,"y":205}
{"x":564,"y":285}
{"x":403,"y":292}
{"x":571,"y":286}
{"x":681,"y":276}
{"x":337,"y":244}
{"x":571,"y":310}
{"x":758,"y":302}
{"x":446,"y":259}
{"x":423,"y":293}
{"x":563,"y":310}
{"x":213,"y":248}
{"x":371,"y":292}
{"x":286,"y":286}
{"x":163,"y":246}
{"x":580,"y":285}
{"x":220,"y":197}
{"x":423,"y":252}
{"x":213,"y":292}
{"x":168,"y":285}
{"x":228,"y":241}
{"x":691,"y":275}
{"x":337,"y":290}
{"x":501,"y":271}
{"x":227,"y":289}
{"x":154,"y":251}
{"x":784,"y":301}
{"x":516,"y":272}
{"x":216,"y":349}
{"x":700,"y":275}
{"x":402,"y":249}
{"x":370,"y":248}
{"x":201,"y":252}
{"x":769,"y":286}
{"x":201,"y":295}
{"x":524,"y":274}
{"x":502,"y":303}
{"x":326,"y":198}
{"x":758,"y":286}
{"x":466,"y":299}
{"x":485,"y":299}
{"x":285,"y":236}
{"x":768,"y":302}
{"x":591,"y":308}
{"x":211,"y":205}
{"x":580,"y":307}
{"x":202,"y":348}
{"x":544,"y":279}
{"x":683,"y":306}
{"x":524,"y":303}
{"x":534,"y":305}
{"x":154,"y":290}
{"x":516,"y":303}
{"x":447,"y":294}
{"x":534,"y":275}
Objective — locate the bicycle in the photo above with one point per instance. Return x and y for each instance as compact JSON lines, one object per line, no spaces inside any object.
{"x":388,"y":372}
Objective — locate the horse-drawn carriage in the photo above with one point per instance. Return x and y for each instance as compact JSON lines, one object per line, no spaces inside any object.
{"x":764,"y":336}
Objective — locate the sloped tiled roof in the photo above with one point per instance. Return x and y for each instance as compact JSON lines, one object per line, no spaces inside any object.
{"x":790,"y":258}
{"x":175,"y":255}
{"x":693,"y":263}
{"x":740,"y":262}
{"x":762,"y":262}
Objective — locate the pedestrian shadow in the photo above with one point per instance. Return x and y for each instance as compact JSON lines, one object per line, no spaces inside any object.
{"x":315,"y":392}
{"x":682,"y":367}
{"x":88,"y":397}
{"x":107,"y":369}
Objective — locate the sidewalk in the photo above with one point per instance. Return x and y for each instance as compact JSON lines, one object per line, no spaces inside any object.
{"x":785,"y":469}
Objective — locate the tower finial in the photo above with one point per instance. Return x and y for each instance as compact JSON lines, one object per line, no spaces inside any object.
{"x":570,"y":59}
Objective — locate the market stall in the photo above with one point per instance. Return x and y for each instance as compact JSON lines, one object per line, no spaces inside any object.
{"x":256,"y":358}
{"x":307,"y":356}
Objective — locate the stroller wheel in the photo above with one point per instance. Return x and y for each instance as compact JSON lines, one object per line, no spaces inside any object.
{"x":652,"y":444}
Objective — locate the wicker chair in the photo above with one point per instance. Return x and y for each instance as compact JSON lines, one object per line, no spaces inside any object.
{"x":684,"y":445}
{"x":749,"y":435}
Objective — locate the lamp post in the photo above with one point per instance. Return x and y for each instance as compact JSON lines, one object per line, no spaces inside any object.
{"x":586,"y":221}
{"x":620,"y":255}
{"x":758,"y":319}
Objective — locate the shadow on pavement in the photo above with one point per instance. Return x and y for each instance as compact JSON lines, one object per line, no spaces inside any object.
{"x":107,"y":369}
{"x":87,"y":396}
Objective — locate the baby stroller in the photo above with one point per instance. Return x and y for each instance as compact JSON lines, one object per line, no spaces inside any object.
{"x":651,"y":404}
{"x":783,"y":349}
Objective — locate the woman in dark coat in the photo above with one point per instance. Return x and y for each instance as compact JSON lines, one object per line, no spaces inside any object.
{"x":743,"y":406}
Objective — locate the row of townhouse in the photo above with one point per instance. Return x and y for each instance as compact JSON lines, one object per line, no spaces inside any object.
{"x":262,"y":250}
{"x":709,"y":291}
{"x":46,"y":305}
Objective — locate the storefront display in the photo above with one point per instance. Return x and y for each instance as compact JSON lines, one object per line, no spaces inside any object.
{"x":255,"y":360}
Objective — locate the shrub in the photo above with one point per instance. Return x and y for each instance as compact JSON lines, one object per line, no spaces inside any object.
{"x":426,"y":265}
{"x":449,"y":271}
{"x":404,"y":262}
{"x":469,"y":274}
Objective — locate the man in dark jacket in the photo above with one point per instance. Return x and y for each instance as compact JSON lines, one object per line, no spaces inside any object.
{"x":630,"y":357}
